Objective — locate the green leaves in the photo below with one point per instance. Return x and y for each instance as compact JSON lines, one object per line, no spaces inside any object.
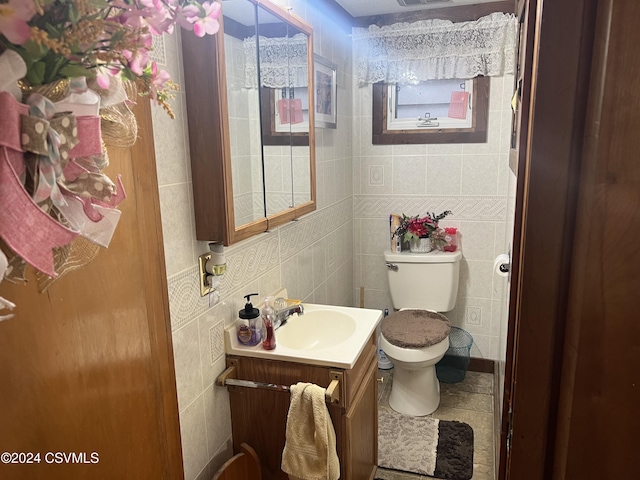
{"x":75,"y":70}
{"x":101,"y":4}
{"x":437,"y":218}
{"x":74,"y":15}
{"x":35,"y":73}
{"x":117,"y":36}
{"x":34,"y":51}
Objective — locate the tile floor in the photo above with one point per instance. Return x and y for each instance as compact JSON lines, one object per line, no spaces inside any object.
{"x":470,"y":401}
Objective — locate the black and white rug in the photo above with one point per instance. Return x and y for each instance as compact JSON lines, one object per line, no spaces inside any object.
{"x":425,"y":445}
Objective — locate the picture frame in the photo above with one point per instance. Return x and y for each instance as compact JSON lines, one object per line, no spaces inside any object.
{"x":325,"y":80}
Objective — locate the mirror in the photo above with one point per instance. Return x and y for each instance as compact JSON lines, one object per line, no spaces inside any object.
{"x":247,"y":92}
{"x":284,"y":89}
{"x":243,"y":99}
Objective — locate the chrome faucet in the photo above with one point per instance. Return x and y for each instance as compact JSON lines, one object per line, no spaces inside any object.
{"x":283,"y":315}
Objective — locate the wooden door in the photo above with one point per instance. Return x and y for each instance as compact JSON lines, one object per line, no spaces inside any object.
{"x":87,"y":366}
{"x":551,"y":156}
{"x":599,"y":394}
{"x":526,"y":13}
{"x":575,"y":343}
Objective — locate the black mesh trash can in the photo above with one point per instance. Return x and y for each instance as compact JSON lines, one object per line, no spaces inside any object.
{"x":453,"y":366}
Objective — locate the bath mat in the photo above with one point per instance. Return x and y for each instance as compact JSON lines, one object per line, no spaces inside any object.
{"x":425,"y":445}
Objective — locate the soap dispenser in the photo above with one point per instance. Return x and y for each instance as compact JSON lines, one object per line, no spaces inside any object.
{"x":268,"y":319}
{"x":249,"y":328}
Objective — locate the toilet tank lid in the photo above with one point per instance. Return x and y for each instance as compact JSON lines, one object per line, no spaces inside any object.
{"x":435,"y":256}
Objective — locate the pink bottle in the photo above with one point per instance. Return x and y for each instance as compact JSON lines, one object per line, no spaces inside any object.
{"x":451,"y":238}
{"x":268,"y":318}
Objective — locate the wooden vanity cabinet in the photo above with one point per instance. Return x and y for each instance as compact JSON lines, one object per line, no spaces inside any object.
{"x":259,"y":416}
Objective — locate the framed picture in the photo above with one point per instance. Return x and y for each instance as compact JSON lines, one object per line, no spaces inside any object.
{"x":326,"y":86}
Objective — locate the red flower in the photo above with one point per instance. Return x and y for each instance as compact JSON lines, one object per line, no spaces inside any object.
{"x":412,"y":228}
{"x":418,"y":227}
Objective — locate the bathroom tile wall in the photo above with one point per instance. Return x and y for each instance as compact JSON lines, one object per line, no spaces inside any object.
{"x":471,"y":180}
{"x":312,"y":257}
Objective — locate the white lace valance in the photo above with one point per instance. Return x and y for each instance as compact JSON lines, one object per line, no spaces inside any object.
{"x":436,"y":49}
{"x":283,"y":62}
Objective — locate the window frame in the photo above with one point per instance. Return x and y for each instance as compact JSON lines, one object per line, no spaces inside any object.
{"x":267,"y":117}
{"x":477,"y":133}
{"x":302,"y":127}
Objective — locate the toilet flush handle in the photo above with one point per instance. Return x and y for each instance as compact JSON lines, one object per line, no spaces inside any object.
{"x":392,"y":266}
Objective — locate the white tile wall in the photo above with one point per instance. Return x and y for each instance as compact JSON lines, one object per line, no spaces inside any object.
{"x":193,"y":431}
{"x":471,"y":180}
{"x":312,"y":257}
{"x":327,"y":255}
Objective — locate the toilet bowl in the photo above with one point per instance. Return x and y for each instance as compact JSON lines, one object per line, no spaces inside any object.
{"x":424,"y":282}
{"x":415,"y":390}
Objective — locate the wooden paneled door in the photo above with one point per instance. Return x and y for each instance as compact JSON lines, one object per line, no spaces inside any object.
{"x":556,"y":68}
{"x":86,"y":368}
{"x":574,"y":322}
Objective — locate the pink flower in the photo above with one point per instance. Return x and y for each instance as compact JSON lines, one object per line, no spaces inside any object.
{"x":14,"y":16}
{"x":153,"y":3}
{"x":137,"y":60}
{"x":104,"y":74}
{"x":158,"y":21}
{"x":186,"y":16}
{"x":158,"y":79}
{"x":207,"y":24}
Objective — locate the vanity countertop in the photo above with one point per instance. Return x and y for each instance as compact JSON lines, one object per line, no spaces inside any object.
{"x":325,"y":335}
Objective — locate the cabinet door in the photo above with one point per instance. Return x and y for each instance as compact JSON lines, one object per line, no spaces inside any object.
{"x":360,"y":456}
{"x":259,"y":417}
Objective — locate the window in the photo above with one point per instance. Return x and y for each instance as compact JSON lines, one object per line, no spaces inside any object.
{"x":274,"y":132}
{"x":430,"y":104}
{"x":435,"y":111}
{"x":292,"y":109}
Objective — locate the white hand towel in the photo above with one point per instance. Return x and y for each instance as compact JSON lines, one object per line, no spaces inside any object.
{"x":310,"y":449}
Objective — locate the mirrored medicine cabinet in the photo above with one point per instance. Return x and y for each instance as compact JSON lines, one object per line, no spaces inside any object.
{"x":248,"y":93}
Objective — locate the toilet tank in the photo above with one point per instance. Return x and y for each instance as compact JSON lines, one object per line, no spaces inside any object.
{"x":423,"y":280}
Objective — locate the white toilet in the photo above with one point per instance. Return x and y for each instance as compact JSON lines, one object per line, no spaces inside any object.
{"x":413,"y":339}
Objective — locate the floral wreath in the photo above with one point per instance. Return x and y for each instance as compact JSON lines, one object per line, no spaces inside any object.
{"x":69,"y":69}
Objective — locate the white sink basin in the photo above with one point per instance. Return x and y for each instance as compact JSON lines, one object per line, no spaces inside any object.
{"x":324,"y":335}
{"x":316,"y":329}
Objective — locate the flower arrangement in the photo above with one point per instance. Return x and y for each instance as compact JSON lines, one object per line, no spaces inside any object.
{"x":68,"y":70}
{"x":99,"y":39}
{"x":413,"y":228}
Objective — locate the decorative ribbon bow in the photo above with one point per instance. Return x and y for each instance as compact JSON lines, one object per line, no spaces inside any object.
{"x":26,"y":229}
{"x":50,"y":136}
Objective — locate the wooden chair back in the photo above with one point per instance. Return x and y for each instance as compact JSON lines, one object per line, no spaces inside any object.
{"x":243,"y":466}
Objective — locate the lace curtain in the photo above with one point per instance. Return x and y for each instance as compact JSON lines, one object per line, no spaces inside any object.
{"x":283,"y":62}
{"x":435,"y":49}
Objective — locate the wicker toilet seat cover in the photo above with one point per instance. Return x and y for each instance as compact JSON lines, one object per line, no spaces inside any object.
{"x":415,"y":328}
